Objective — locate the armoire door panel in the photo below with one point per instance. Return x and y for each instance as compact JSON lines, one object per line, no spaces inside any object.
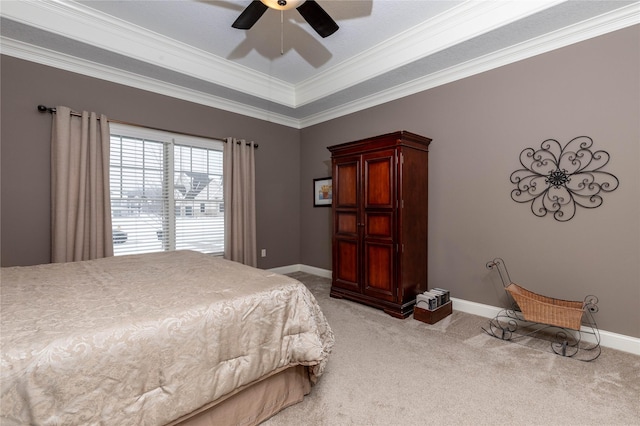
{"x":379,"y":225}
{"x":378,"y":180}
{"x":346,"y":184}
{"x":379,"y":271}
{"x":346,"y":223}
{"x":346,"y":263}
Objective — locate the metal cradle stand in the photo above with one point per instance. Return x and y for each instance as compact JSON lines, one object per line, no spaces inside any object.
{"x":563,"y":323}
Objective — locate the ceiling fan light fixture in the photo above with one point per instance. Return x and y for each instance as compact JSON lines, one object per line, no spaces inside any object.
{"x":282,"y":4}
{"x":311,"y":11}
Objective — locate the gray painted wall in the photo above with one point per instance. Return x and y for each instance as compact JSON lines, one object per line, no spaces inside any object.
{"x":478,"y":125}
{"x":26,"y":133}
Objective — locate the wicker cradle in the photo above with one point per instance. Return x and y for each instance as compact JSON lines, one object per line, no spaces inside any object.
{"x":547,"y":310}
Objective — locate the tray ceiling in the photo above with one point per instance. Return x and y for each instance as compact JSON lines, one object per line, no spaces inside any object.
{"x":281,"y":70}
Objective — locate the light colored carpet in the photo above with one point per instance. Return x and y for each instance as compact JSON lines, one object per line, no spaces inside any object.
{"x":386,"y":371}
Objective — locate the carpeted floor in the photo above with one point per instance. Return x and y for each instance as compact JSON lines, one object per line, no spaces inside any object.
{"x":386,"y":371}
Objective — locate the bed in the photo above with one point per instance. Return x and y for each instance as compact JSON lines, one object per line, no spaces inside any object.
{"x":156,"y":339}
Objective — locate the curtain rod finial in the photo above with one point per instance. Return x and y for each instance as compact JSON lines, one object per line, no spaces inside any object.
{"x":43,"y":108}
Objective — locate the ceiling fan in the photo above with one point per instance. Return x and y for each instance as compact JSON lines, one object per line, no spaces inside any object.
{"x":309,"y":9}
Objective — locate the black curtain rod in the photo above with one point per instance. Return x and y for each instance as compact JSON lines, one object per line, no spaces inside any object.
{"x":43,"y":108}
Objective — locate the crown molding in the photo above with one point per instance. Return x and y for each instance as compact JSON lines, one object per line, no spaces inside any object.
{"x":612,"y":21}
{"x":61,"y":61}
{"x":454,"y":26}
{"x":594,"y":27}
{"x":78,"y":22}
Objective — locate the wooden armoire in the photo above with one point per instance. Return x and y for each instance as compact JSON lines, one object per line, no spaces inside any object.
{"x":380,"y":221}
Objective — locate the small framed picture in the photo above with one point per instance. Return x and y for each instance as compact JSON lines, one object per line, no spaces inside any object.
{"x":322,"y":192}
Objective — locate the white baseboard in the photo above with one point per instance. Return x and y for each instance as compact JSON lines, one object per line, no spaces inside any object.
{"x":608,"y":339}
{"x":286,"y":269}
{"x":325,"y":273}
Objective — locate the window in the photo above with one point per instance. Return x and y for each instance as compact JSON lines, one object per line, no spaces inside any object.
{"x":166,"y":191}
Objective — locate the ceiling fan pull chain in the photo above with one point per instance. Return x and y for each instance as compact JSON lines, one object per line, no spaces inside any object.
{"x":282,"y":32}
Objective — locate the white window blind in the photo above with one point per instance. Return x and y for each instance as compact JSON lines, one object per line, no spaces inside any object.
{"x":166,"y":191}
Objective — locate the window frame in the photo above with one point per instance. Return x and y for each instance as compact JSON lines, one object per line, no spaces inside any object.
{"x":169,"y":141}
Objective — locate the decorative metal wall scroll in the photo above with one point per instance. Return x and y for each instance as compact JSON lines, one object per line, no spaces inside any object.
{"x":556,"y":179}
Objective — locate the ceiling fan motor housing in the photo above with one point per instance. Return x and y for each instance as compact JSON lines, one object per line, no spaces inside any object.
{"x":311,"y":11}
{"x":282,"y":4}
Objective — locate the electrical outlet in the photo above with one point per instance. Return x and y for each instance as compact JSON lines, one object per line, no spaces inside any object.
{"x":263,"y":253}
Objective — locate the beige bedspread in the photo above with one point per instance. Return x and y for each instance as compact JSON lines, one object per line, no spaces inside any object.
{"x":145,"y":339}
